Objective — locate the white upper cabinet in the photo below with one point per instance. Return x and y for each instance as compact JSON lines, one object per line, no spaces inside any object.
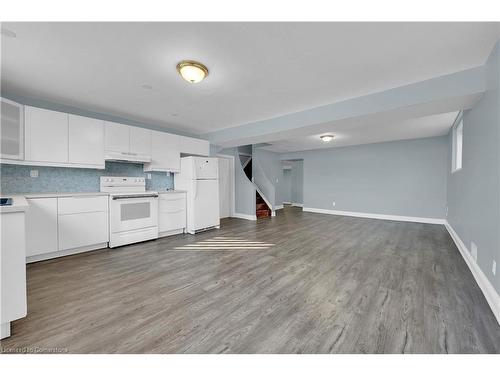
{"x":86,"y":141}
{"x":165,"y":154}
{"x":140,"y":141}
{"x":46,"y":135}
{"x":117,"y":137}
{"x":11,"y":130}
{"x":123,"y":142}
{"x":194,"y":146}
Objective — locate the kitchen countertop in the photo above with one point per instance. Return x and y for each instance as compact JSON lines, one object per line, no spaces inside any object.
{"x":56,"y":195}
{"x":83,"y":194}
{"x":19,"y":203}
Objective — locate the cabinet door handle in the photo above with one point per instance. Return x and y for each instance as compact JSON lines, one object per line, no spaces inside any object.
{"x":173,"y":212}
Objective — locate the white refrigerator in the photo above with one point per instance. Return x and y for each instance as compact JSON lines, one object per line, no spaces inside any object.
{"x":199,"y":176}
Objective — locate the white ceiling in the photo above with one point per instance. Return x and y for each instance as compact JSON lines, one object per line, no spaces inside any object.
{"x":257,"y":70}
{"x":370,"y":131}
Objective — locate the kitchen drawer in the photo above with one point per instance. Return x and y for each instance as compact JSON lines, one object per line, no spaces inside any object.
{"x":75,"y":205}
{"x":83,"y":229}
{"x":170,"y":203}
{"x":172,"y":212}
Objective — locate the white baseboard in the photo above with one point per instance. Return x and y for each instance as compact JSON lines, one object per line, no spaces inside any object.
{"x":297,"y":204}
{"x":244,"y":216}
{"x":287,"y":202}
{"x":488,"y":290}
{"x":414,"y":219}
{"x":63,"y":253}
{"x":279,"y":207}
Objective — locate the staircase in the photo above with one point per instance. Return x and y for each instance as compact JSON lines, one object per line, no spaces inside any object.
{"x":261,"y":207}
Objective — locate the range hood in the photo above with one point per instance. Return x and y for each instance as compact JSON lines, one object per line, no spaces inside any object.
{"x":130,"y":157}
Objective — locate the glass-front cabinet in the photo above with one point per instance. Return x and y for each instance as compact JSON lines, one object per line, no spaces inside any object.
{"x":11,"y":130}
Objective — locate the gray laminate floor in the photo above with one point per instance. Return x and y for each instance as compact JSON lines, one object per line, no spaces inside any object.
{"x":295,"y":283}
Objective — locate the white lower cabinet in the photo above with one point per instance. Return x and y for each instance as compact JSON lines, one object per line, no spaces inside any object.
{"x":60,"y":226}
{"x":84,"y":229}
{"x":82,"y":221}
{"x":41,"y":226}
{"x":172,"y":213}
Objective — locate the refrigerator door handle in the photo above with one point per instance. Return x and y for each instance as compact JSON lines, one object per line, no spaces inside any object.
{"x":195,"y":188}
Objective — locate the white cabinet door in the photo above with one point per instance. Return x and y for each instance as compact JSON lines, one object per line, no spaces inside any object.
{"x":140,"y":141}
{"x":116,"y":137}
{"x":86,"y":141}
{"x":82,"y":229}
{"x":194,"y":146}
{"x":46,"y":134}
{"x":165,"y":154}
{"x":11,"y":130}
{"x":41,"y":226}
{"x":172,"y":212}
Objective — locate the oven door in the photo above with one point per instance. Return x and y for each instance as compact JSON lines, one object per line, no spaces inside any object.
{"x":130,"y":212}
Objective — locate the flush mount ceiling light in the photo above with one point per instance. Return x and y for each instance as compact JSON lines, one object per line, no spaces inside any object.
{"x":192,"y":71}
{"x":327,"y":138}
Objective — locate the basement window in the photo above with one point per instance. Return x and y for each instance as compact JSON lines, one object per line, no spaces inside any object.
{"x":458,"y":136}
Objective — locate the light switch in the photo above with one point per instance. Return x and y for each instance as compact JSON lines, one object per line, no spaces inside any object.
{"x":34,"y":173}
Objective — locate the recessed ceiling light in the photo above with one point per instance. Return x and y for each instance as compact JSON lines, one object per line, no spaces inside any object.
{"x":192,"y":71}
{"x":327,"y":138}
{"x":147,"y":87}
{"x":8,"y":33}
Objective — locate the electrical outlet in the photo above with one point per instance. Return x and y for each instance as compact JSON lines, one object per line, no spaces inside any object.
{"x":473,"y":251}
{"x":494,"y":268}
{"x":333,"y":203}
{"x":34,"y":173}
{"x":168,"y":174}
{"x":148,"y":176}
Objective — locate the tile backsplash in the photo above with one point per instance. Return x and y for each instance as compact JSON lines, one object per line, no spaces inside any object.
{"x":15,"y":179}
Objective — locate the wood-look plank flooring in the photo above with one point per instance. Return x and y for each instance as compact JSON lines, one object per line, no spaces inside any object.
{"x":295,"y":283}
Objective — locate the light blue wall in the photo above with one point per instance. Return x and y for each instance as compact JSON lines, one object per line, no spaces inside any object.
{"x":474,"y":191}
{"x":286,"y":192}
{"x":16,"y":178}
{"x":406,"y":178}
{"x":297,"y":181}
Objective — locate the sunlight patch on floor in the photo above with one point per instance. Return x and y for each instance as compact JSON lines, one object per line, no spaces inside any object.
{"x":225,"y":243}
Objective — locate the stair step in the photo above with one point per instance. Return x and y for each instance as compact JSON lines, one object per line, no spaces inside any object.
{"x":263,"y":213}
{"x":262,"y":206}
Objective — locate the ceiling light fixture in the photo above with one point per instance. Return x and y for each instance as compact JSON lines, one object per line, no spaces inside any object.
{"x":192,"y":71}
{"x":327,"y":138}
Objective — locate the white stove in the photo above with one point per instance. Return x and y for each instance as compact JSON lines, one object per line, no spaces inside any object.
{"x":133,"y":211}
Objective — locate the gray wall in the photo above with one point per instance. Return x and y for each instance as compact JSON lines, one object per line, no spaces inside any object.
{"x":474,"y":191}
{"x":270,"y":163}
{"x":405,"y":178}
{"x":297,"y":181}
{"x":244,"y":190}
{"x":286,"y":186}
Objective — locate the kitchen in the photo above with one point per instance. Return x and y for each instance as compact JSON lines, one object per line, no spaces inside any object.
{"x":75,"y":183}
